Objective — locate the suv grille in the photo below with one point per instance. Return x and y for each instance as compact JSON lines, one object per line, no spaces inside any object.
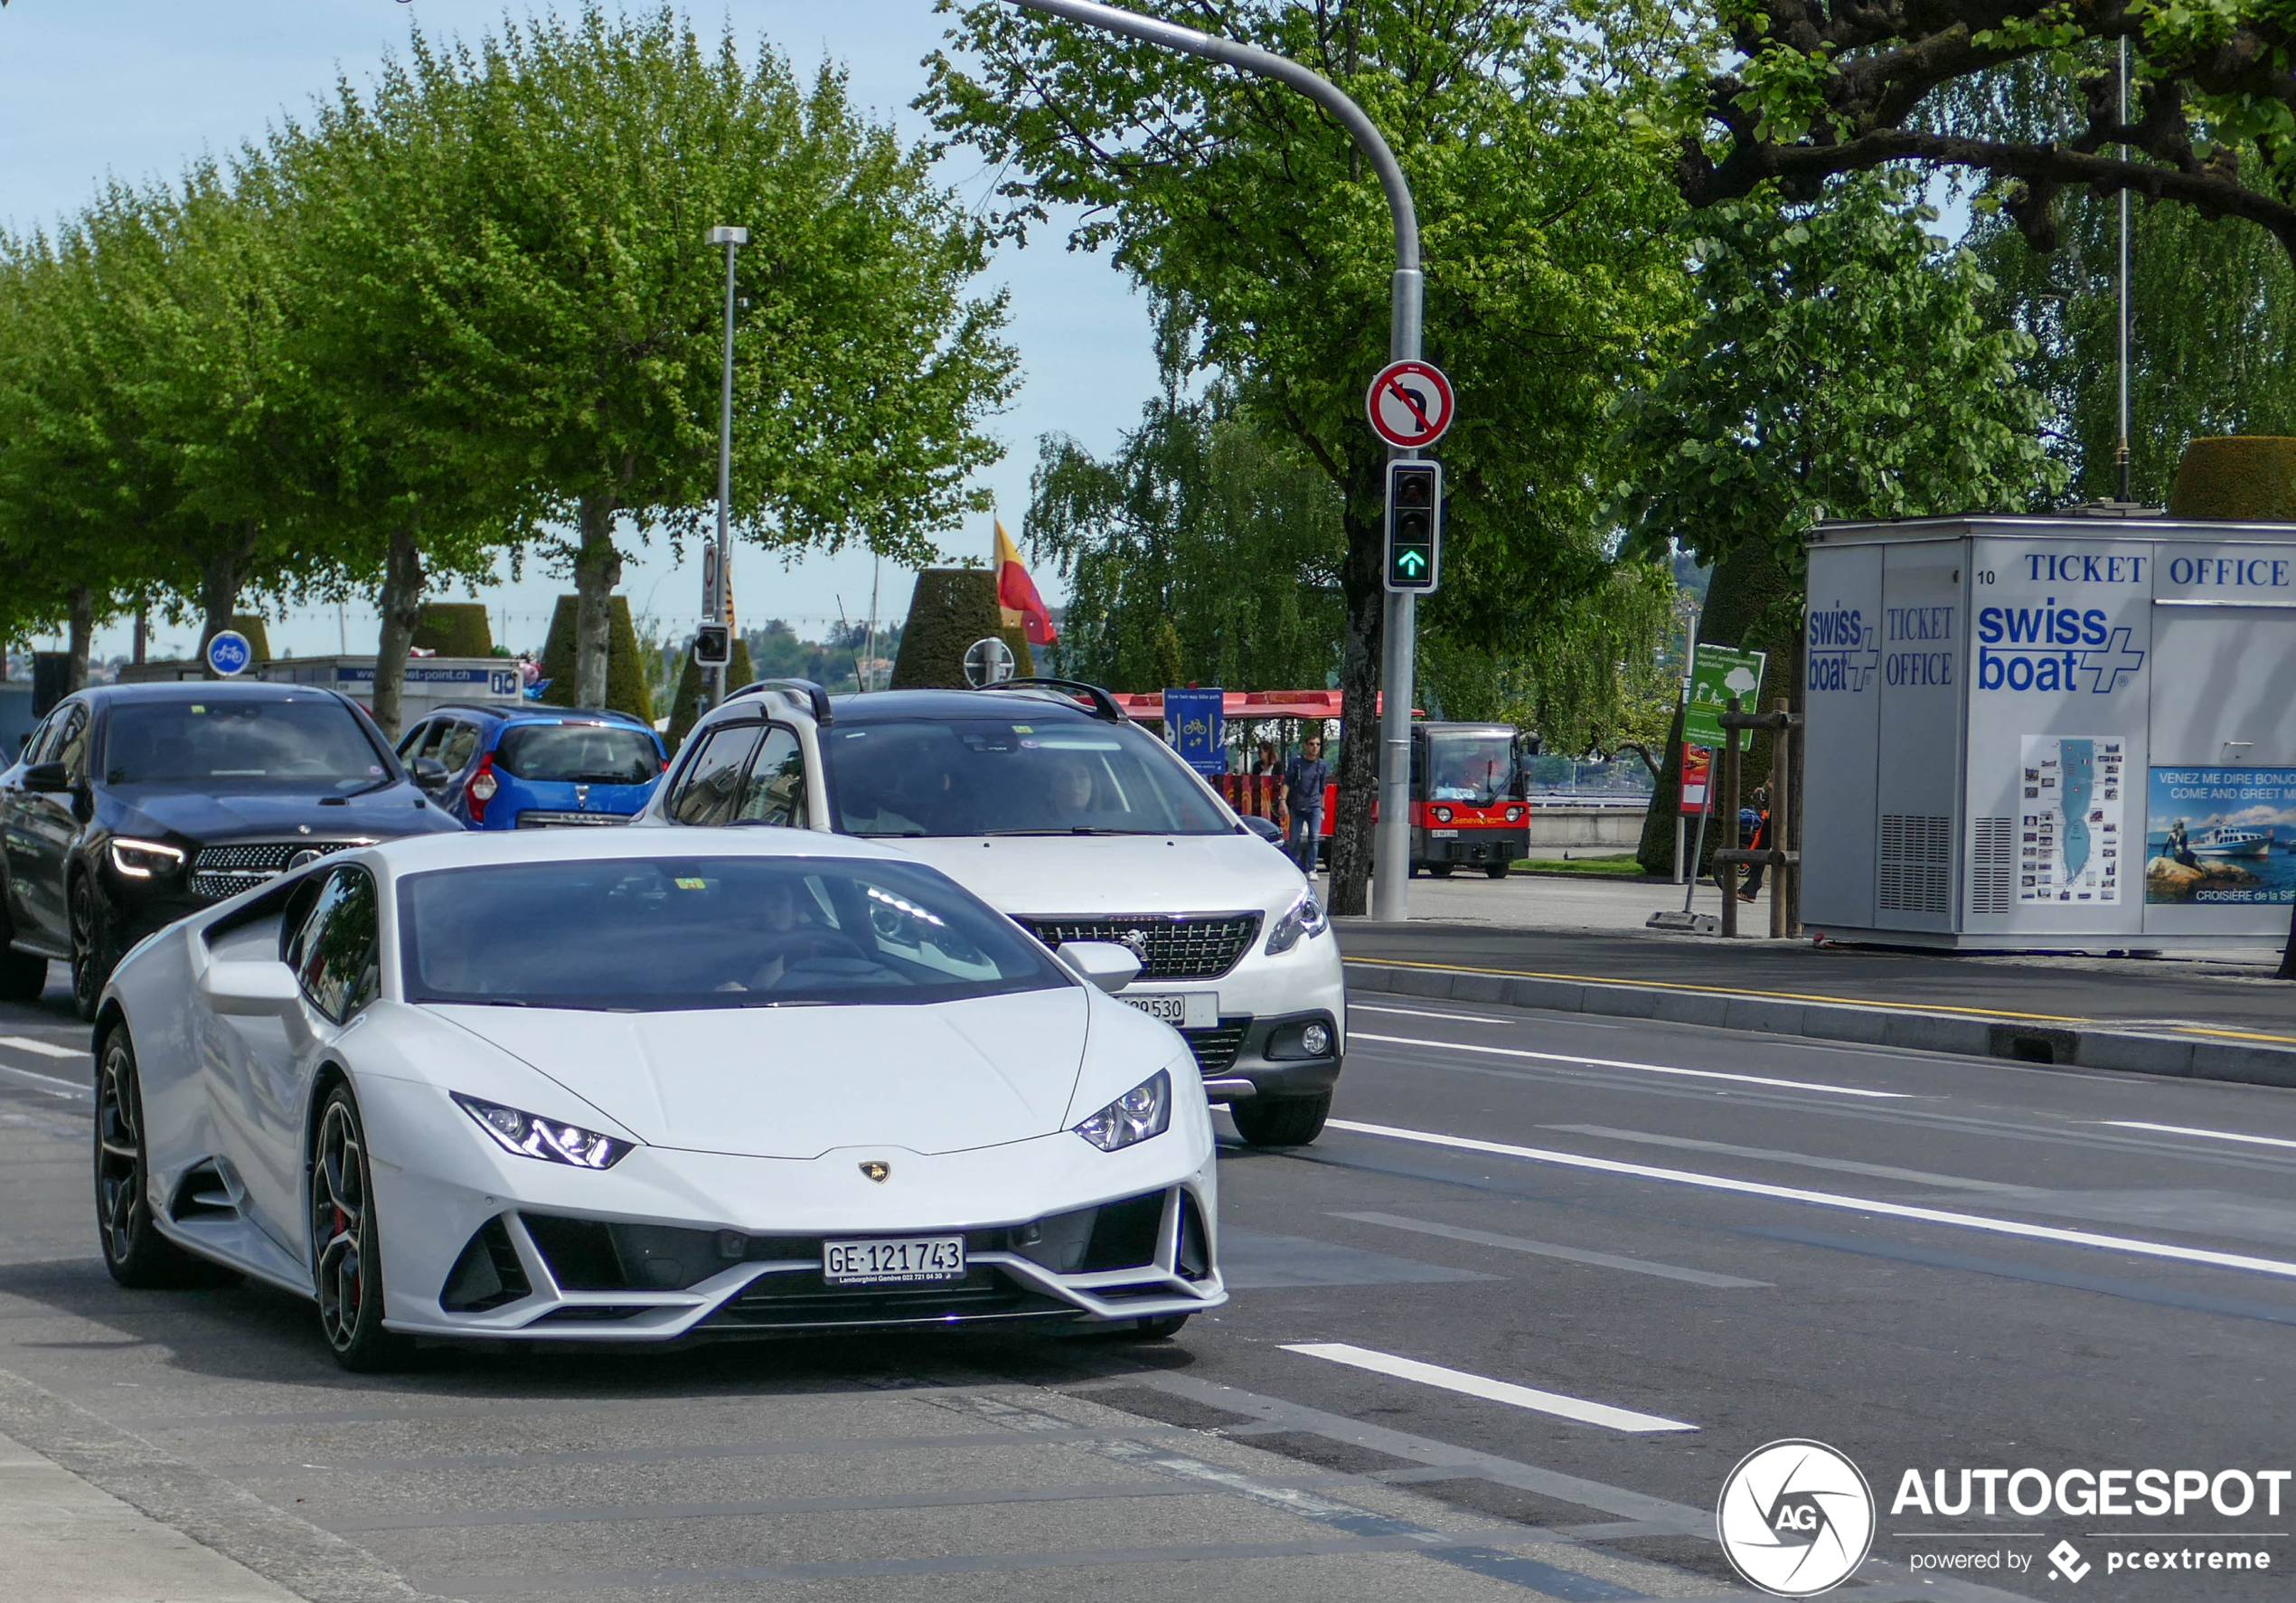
{"x":1179,"y":946}
{"x":221,"y":872}
{"x":1216,"y":1050}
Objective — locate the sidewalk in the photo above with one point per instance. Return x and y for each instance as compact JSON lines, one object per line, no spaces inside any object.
{"x":62,"y":1541}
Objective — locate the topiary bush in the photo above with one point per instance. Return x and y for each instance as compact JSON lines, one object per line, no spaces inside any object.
{"x":952,"y":608}
{"x":681,"y":715}
{"x":251,"y":624}
{"x":625,"y":688}
{"x":2249,"y":477}
{"x":455,"y":628}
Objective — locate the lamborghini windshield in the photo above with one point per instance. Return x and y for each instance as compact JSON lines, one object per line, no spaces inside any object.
{"x":656,"y":933}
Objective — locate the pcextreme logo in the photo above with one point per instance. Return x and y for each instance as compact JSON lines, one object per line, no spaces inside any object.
{"x":1795,"y":1518}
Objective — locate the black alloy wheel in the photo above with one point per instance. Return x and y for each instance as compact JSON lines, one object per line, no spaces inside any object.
{"x":1158,"y":1330}
{"x":346,"y":1263}
{"x":1442,"y":871}
{"x":1280,"y":1121}
{"x":134,"y":1251}
{"x":92,"y":959}
{"x":1497,"y":871}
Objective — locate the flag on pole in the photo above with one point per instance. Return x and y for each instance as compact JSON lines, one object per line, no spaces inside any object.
{"x":1016,"y":593}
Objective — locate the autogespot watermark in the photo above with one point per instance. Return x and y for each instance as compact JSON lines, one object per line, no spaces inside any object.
{"x":2088,"y":1494}
{"x":1796,"y":1518}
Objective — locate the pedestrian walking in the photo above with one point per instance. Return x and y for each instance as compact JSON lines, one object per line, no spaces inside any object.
{"x":1304,"y":780}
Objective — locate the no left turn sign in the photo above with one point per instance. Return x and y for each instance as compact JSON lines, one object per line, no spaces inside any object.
{"x":1410,"y":404}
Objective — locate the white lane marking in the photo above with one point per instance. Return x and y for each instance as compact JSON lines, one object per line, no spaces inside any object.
{"x":1459,"y":1379}
{"x":1803,"y":1159}
{"x":1428,"y":1013}
{"x":1516,"y":1051}
{"x":2130,"y":1124}
{"x":43,"y":1081}
{"x":1826,"y":1199}
{"x":46,"y":1049}
{"x":1605,"y":1260}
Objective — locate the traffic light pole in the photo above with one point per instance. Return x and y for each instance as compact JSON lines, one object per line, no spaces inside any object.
{"x":1391,"y":887}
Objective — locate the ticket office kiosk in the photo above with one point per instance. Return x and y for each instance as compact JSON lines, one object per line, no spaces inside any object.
{"x":2061,"y":732}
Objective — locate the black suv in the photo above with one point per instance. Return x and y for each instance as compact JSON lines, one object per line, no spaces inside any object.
{"x":134,"y":804}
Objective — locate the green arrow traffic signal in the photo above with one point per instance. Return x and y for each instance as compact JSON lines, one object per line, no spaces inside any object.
{"x":1414,"y":525}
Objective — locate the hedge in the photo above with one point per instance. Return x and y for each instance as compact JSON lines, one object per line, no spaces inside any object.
{"x":952,"y":608}
{"x":2245,"y":476}
{"x":626,"y":664}
{"x":455,"y":628}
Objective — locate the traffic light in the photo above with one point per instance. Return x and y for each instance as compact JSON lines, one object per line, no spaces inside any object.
{"x":1415,"y":525}
{"x":712,"y":645}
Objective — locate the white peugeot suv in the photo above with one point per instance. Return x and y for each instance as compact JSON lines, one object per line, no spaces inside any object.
{"x":1043,"y":798}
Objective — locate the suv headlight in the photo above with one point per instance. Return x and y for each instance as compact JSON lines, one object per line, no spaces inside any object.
{"x":140,"y":859}
{"x":1305,"y":918}
{"x":1141,"y":1112}
{"x":544,"y":1138}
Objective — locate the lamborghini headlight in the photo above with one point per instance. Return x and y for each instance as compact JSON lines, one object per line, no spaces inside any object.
{"x":1304,"y":918}
{"x":1141,"y":1112}
{"x":544,"y":1138}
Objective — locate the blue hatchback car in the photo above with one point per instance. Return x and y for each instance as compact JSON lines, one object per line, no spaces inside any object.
{"x":534,"y":767}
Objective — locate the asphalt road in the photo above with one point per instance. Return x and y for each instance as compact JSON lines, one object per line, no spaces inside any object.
{"x":1684,"y":1244}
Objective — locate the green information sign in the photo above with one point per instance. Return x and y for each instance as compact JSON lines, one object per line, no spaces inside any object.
{"x":1717,"y":673}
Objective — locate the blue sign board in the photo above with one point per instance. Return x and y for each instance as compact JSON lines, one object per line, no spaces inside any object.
{"x":1199,"y":728}
{"x":228,"y":653}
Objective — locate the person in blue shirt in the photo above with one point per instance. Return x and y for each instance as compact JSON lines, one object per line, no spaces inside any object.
{"x":1304,"y":778}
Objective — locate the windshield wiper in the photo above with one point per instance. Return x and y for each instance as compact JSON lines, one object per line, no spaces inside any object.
{"x":1073,"y":829}
{"x":381,"y":784}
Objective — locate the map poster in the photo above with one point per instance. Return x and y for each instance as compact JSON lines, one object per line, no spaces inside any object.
{"x":2070,"y":841}
{"x":2220,"y":835}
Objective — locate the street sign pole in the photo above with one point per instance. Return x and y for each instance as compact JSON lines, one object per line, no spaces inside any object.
{"x":718,"y":578}
{"x":1391,"y":851}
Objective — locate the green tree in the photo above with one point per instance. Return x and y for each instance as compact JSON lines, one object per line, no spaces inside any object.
{"x":588,"y":159}
{"x":1807,"y":91}
{"x":1251,"y":220}
{"x":1200,"y":525}
{"x":1842,"y":365}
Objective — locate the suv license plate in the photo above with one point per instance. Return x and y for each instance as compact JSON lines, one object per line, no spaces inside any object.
{"x":1185,"y":1010}
{"x":891,"y":1261}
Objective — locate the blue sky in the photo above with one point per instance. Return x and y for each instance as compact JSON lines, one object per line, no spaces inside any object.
{"x":138,"y":87}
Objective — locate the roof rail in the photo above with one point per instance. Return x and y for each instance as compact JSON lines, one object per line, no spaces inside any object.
{"x":1103,"y":705}
{"x":809,"y":688}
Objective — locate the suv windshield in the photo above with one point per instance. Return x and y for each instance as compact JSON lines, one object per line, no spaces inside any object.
{"x":1472,"y":766}
{"x":1011,"y":776}
{"x":660,"y":934}
{"x":590,"y":753}
{"x":304,"y":742}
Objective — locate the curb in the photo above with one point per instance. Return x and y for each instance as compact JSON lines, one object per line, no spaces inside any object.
{"x":1973,"y":1034}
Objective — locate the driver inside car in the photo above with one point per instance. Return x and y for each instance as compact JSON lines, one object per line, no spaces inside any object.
{"x":791,"y":935}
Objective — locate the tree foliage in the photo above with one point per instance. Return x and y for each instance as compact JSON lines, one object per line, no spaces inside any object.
{"x":1254,"y":225}
{"x":1841,"y":365}
{"x":1814,"y":89}
{"x":1200,"y":525}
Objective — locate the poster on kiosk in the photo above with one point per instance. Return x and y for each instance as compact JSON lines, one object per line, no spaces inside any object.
{"x":2061,"y":732}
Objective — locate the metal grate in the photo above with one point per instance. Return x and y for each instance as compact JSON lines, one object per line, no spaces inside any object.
{"x":221,"y":872}
{"x":1175,"y":947}
{"x":1216,"y":1050}
{"x":1916,"y":862}
{"x":1992,"y":866}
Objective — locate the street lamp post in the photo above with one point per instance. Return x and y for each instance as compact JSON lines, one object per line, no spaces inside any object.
{"x":1390,"y":896}
{"x":717,"y":580}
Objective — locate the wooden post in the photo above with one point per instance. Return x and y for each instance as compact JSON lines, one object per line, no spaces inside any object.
{"x":1783,"y":888}
{"x":1726,"y":874}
